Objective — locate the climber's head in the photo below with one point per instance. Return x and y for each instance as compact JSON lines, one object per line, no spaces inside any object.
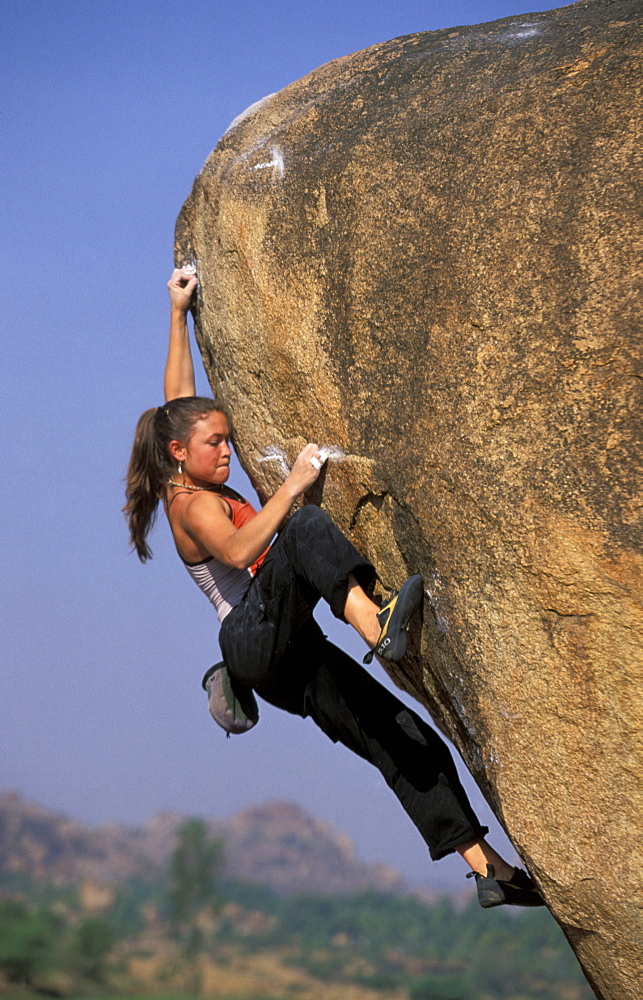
{"x":186,"y":429}
{"x":192,"y":431}
{"x":203,"y":452}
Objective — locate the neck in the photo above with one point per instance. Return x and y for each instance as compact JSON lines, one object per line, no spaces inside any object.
{"x":192,"y":486}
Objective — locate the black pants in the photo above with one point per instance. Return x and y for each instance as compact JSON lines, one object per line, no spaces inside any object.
{"x":271,"y":643}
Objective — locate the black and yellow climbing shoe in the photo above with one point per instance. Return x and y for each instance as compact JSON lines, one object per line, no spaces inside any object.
{"x":394,"y":618}
{"x":520,"y":890}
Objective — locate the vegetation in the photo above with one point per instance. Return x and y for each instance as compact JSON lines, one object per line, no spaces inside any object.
{"x":174,"y":937}
{"x":193,"y":872}
{"x":436,"y":952}
{"x":28,"y":941}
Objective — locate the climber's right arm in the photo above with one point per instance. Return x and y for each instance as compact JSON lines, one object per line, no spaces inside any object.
{"x":179,"y":368}
{"x":202,"y":516}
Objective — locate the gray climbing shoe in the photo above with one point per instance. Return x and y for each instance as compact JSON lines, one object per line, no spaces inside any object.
{"x":520,"y":890}
{"x":232,"y":705}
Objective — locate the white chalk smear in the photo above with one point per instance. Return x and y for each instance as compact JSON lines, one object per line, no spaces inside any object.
{"x":250,"y":110}
{"x":436,"y":584}
{"x":274,"y":454}
{"x":277,"y":162}
{"x":327,"y":453}
{"x":333,"y":453}
{"x":521,"y":31}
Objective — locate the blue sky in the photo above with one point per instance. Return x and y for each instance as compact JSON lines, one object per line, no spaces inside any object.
{"x":111,"y":108}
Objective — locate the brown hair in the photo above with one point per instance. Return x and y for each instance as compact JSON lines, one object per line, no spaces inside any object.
{"x":151,"y":464}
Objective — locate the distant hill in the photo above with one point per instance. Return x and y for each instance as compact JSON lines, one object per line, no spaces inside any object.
{"x":277,"y":844}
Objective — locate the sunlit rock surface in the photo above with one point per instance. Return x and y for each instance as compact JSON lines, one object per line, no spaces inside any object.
{"x":425,"y":254}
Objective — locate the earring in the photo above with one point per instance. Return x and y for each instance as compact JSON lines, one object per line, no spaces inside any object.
{"x":180,"y":468}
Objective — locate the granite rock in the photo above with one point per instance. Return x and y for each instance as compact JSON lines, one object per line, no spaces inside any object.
{"x":425,"y":255}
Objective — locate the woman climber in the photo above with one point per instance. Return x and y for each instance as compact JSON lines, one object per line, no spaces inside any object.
{"x":265,"y":592}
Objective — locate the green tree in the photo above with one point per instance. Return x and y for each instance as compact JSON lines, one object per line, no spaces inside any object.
{"x":193,"y":872}
{"x":90,"y":944}
{"x":28,"y":941}
{"x":435,"y":986}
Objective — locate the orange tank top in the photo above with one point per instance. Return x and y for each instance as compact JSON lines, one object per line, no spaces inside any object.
{"x":242,"y":512}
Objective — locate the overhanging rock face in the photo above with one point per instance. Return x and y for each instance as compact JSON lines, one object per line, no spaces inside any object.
{"x":425,"y":255}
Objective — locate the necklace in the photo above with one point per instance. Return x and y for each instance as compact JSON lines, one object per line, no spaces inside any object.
{"x":184,"y":486}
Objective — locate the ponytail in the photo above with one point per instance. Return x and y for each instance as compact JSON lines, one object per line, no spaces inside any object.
{"x":151,"y":464}
{"x":145,"y":478}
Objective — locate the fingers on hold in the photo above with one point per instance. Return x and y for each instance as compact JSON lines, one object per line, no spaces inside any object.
{"x":319,"y":458}
{"x":183,"y":276}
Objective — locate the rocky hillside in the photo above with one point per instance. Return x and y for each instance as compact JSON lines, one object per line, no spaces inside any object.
{"x":276,"y":844}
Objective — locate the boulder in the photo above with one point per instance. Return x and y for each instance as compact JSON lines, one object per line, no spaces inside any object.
{"x":424,"y":255}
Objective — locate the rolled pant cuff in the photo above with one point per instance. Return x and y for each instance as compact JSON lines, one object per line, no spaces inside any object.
{"x":365,"y":576}
{"x":437,"y":853}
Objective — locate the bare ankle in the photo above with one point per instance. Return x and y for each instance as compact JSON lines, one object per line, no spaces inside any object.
{"x":360,"y":612}
{"x":478,"y":854}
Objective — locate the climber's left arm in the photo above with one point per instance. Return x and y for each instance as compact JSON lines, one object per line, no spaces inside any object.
{"x":179,"y":367}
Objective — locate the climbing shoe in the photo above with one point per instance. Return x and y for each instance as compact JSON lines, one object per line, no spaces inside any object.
{"x":394,"y":619}
{"x":520,"y":890}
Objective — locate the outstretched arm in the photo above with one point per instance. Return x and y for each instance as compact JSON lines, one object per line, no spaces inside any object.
{"x":179,"y":368}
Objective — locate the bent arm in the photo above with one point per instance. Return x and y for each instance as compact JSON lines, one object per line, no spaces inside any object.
{"x":179,"y":368}
{"x":206,"y":523}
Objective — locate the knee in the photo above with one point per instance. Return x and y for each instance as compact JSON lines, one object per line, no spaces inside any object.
{"x":307,"y":517}
{"x":310,"y":512}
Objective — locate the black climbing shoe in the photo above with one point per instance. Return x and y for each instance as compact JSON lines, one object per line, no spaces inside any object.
{"x":520,"y":890}
{"x":394,"y":618}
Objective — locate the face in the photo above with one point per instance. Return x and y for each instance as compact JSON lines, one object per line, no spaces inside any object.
{"x":206,"y":456}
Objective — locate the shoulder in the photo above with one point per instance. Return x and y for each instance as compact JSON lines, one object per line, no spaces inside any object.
{"x":195,"y":519}
{"x":188,"y":506}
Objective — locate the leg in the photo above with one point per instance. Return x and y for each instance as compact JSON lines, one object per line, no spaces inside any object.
{"x":351,"y":707}
{"x":361,"y":612}
{"x":327,"y":565}
{"x":310,"y":560}
{"x":478,"y":854}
